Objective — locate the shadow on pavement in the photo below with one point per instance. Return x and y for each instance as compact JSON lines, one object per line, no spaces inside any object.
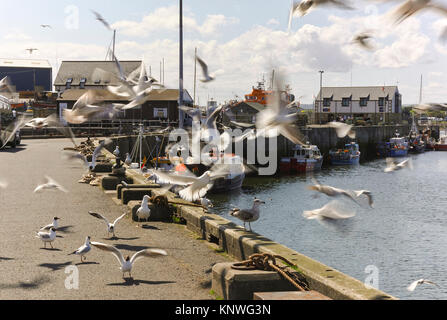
{"x":34,"y":284}
{"x":132,"y":282}
{"x":55,"y":266}
{"x":118,"y":238}
{"x":6,"y":259}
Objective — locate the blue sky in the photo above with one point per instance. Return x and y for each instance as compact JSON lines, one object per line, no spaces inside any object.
{"x":241,"y":41}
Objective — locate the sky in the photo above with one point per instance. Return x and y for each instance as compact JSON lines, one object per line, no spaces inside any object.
{"x":242,"y":41}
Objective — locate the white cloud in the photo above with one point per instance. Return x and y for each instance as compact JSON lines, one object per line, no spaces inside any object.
{"x":167,"y":19}
{"x":273,"y":22}
{"x":16,"y":35}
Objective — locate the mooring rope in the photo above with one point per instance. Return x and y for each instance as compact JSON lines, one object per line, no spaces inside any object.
{"x":267,"y":262}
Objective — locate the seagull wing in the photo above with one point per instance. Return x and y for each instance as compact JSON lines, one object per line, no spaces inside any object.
{"x":292,"y":133}
{"x":99,"y":216}
{"x":55,"y":183}
{"x":151,"y":253}
{"x":111,"y":249}
{"x":204,"y":67}
{"x":9,"y":132}
{"x":182,"y":180}
{"x":413,"y":285}
{"x":119,"y":218}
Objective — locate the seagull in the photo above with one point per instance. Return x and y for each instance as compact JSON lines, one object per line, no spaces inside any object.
{"x":368,"y":194}
{"x":51,"y":184}
{"x":102,"y":20}
{"x":414,"y":284}
{"x":116,"y":153}
{"x":410,"y":7}
{"x":47,"y":236}
{"x":275,"y":119}
{"x":111,"y":227}
{"x":329,"y":211}
{"x":196,"y":187}
{"x":84,"y":249}
{"x":144,"y":212}
{"x":5,"y":85}
{"x":46,"y":26}
{"x":422,"y":108}
{"x":206,"y":203}
{"x":393,"y":166}
{"x":305,"y":6}
{"x":342,"y":129}
{"x":128,"y":160}
{"x":204,"y":67}
{"x":248,"y":215}
{"x":127,"y":263}
{"x":362,"y":38}
{"x":92,"y":165}
{"x":31,"y":50}
{"x":54,"y":224}
{"x":336,"y":192}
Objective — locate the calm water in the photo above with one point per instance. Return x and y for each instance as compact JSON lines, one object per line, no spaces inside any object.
{"x":404,"y":236}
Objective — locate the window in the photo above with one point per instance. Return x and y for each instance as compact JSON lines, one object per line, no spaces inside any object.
{"x":68,"y":83}
{"x":363,"y":102}
{"x":381,"y":109}
{"x":345,"y":102}
{"x":326,"y":102}
{"x":82,"y":83}
{"x":381,"y":102}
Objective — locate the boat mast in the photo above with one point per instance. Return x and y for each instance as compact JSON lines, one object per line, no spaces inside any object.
{"x":420,"y":92}
{"x":195,"y":76}
{"x":180,"y":102}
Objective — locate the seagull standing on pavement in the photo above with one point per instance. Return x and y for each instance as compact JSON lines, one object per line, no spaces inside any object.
{"x":414,"y":284}
{"x":206,"y":203}
{"x":54,"y":224}
{"x":111,"y":227}
{"x":248,"y":215}
{"x":47,"y":236}
{"x":128,"y":159}
{"x":51,"y":184}
{"x":144,"y":212}
{"x":116,"y":153}
{"x":126,"y":264}
{"x":84,"y":249}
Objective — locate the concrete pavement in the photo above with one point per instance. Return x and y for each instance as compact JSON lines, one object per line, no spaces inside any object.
{"x":30,"y":272}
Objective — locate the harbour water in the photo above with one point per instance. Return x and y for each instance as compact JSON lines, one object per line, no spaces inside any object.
{"x":404,"y":236}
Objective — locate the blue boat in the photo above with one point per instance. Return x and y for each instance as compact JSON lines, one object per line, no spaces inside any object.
{"x":396,"y":147}
{"x":350,"y":155}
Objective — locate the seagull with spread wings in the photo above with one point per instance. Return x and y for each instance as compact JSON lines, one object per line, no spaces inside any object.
{"x":111,"y":227}
{"x":416,"y":283}
{"x":126,"y":264}
{"x":204,"y":67}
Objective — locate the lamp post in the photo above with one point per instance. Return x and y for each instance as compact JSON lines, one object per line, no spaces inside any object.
{"x":180,"y":100}
{"x":321,"y":96}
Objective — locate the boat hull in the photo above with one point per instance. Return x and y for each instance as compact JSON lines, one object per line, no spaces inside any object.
{"x":343,"y":162}
{"x":292,"y":165}
{"x":441,"y":147}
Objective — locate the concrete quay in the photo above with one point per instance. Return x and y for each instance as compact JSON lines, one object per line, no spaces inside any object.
{"x":30,"y":272}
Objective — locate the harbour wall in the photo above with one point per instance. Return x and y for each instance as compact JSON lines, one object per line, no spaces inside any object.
{"x":321,"y":135}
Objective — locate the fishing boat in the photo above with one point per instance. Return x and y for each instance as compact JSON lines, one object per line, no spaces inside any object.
{"x":428,"y":140}
{"x":350,"y":155}
{"x":306,"y":158}
{"x":441,"y":145}
{"x":231,"y":181}
{"x":415,"y":142}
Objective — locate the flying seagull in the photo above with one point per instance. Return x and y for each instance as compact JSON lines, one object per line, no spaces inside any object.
{"x":342,"y":129}
{"x":410,"y":7}
{"x":46,"y":26}
{"x":204,"y":67}
{"x":126,"y":264}
{"x":305,"y":6}
{"x":336,"y":192}
{"x":394,"y":166}
{"x":102,"y":20}
{"x":248,"y":215}
{"x":362,"y":39}
{"x":329,"y":211}
{"x":111,"y":227}
{"x":51,"y":184}
{"x":31,"y":50}
{"x":414,"y":284}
